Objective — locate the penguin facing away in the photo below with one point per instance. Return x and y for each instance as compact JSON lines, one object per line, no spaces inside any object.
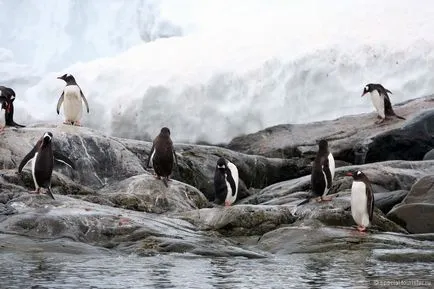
{"x":7,"y":97}
{"x":380,"y":100}
{"x":225,"y":182}
{"x":42,"y":157}
{"x":162,"y":155}
{"x":72,"y":97}
{"x":362,"y":200}
{"x":323,"y":172}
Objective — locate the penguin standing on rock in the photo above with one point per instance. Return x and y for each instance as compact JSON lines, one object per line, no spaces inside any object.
{"x":7,"y":97}
{"x":42,"y":157}
{"x":225,"y":182}
{"x":323,"y":172}
{"x":2,"y":113}
{"x":71,"y":98}
{"x":362,"y":200}
{"x":162,"y":156}
{"x":380,"y":100}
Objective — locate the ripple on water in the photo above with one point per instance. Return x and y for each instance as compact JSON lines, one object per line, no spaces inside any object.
{"x":321,"y":270}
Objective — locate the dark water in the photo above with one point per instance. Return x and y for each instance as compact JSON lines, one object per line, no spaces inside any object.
{"x":344,"y":269}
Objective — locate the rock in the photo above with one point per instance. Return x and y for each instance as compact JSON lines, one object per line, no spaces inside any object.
{"x":311,"y":239}
{"x":416,"y":212}
{"x":385,"y":177}
{"x":197,"y":165}
{"x":240,"y":220}
{"x":350,"y":137}
{"x":102,"y":160}
{"x":147,"y":194}
{"x":387,"y":200}
{"x":42,"y":218}
{"x":429,"y":155}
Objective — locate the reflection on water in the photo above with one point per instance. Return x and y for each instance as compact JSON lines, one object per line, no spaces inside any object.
{"x":321,"y":270}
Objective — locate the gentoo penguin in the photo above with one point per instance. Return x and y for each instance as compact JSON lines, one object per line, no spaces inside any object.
{"x":225,"y":182}
{"x":43,"y":157}
{"x":323,"y":172}
{"x":362,"y":200}
{"x":8,"y":94}
{"x":162,"y":155}
{"x":2,"y":113}
{"x":71,"y":98}
{"x":380,"y":100}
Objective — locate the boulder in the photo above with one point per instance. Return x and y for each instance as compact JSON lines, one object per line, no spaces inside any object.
{"x":416,"y":212}
{"x":354,"y":139}
{"x":429,"y":155}
{"x":385,"y":177}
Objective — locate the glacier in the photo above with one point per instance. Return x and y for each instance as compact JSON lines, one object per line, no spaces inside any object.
{"x":213,"y":69}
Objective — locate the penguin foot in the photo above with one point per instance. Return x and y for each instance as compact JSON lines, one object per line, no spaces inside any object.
{"x":361,"y":228}
{"x":380,"y":121}
{"x":77,"y":123}
{"x":2,"y":128}
{"x":157,"y":177}
{"x":35,"y":191}
{"x":227,"y":204}
{"x":67,"y":122}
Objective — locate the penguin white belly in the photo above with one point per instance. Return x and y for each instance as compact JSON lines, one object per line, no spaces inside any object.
{"x":359,"y":206}
{"x":2,"y":118}
{"x":332,"y":165}
{"x":33,"y":170}
{"x":72,"y":104}
{"x":234,"y":172}
{"x":378,"y":102}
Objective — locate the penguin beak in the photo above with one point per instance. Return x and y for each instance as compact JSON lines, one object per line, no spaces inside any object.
{"x":363,"y":93}
{"x":349,"y":174}
{"x":60,"y":77}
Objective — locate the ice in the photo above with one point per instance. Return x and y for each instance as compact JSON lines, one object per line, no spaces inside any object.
{"x":211,"y":70}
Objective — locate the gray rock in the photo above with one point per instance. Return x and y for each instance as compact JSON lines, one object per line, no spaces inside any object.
{"x":353,"y":139}
{"x":416,"y":212}
{"x":387,"y":200}
{"x":429,"y":155}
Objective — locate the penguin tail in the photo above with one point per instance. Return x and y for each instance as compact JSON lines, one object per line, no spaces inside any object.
{"x":400,"y":117}
{"x":165,"y":181}
{"x":303,"y":202}
{"x":50,"y":193}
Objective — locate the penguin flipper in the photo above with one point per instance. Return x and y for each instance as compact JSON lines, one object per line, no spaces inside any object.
{"x":27,"y":158}
{"x":388,"y":91}
{"x":84,"y":100}
{"x":327,"y":172}
{"x":60,"y":101}
{"x":370,"y":201}
{"x":63,"y":159}
{"x":50,"y":193}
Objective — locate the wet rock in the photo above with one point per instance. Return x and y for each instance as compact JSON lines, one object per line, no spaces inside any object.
{"x":241,"y":220}
{"x":416,"y":212}
{"x":7,"y":209}
{"x":387,"y":200}
{"x":147,"y":194}
{"x":314,"y":239}
{"x":107,"y":227}
{"x":429,"y":155}
{"x":385,"y":177}
{"x":354,"y":139}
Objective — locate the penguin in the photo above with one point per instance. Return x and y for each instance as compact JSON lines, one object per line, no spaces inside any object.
{"x":43,"y":157}
{"x":71,"y":98}
{"x":380,"y":100}
{"x":8,"y":95}
{"x":362,"y":200}
{"x":162,"y":155}
{"x":323,"y":172}
{"x":225,"y":182}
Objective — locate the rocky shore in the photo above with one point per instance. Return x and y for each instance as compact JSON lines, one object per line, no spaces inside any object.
{"x":111,"y":202}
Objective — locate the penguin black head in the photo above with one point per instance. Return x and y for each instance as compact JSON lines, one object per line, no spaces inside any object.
{"x":221,"y":163}
{"x":323,"y":144}
{"x":368,"y":88}
{"x":357,"y":175}
{"x":48,"y":136}
{"x":7,"y":96}
{"x":165,"y":131}
{"x":68,"y":78}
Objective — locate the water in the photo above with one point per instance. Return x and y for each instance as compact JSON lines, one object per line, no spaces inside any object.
{"x":345,"y":269}
{"x":215,"y":69}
